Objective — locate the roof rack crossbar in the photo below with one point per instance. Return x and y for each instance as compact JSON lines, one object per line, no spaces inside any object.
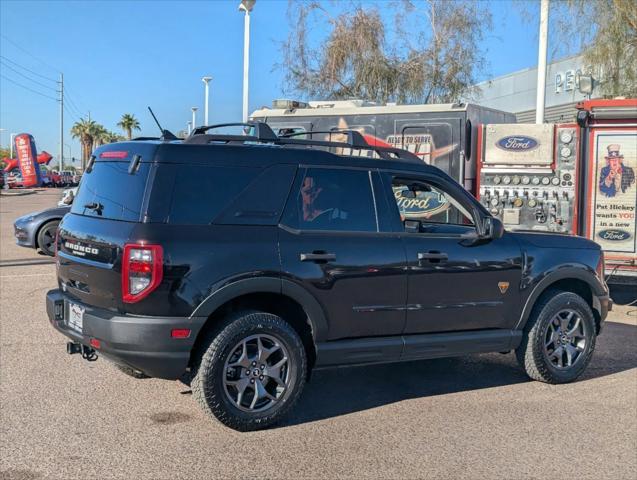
{"x":262,"y":130}
{"x":354,"y":138}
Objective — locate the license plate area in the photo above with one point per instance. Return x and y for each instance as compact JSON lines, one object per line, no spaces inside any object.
{"x":75,"y":319}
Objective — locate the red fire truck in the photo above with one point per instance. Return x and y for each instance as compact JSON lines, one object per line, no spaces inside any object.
{"x":574,"y":178}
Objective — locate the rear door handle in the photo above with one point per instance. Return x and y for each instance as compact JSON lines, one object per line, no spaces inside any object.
{"x":318,"y":257}
{"x":433,"y":256}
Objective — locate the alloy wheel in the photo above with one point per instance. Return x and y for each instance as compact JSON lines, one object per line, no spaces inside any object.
{"x":257,"y":373}
{"x":565,"y":339}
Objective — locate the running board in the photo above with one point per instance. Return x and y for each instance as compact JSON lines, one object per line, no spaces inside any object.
{"x":414,"y":347}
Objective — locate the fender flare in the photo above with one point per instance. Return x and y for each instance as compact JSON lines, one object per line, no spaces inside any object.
{"x":563,"y":272}
{"x":288,"y":288}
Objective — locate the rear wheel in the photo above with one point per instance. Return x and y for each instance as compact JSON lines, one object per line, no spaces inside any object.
{"x":46,"y":237}
{"x":559,"y":338}
{"x":252,"y":371}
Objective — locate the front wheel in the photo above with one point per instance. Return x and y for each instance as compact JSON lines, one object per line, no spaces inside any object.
{"x":46,"y":237}
{"x":559,"y":338}
{"x":252,"y":372}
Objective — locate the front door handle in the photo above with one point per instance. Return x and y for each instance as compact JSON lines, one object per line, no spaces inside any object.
{"x":318,"y":257}
{"x":433,"y":257}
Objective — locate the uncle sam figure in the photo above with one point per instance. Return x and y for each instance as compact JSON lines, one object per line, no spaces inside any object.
{"x":615,"y":176}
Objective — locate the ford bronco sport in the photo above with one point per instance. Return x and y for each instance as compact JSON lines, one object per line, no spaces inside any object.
{"x":242,"y":262}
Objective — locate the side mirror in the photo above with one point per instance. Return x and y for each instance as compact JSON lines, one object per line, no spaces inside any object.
{"x":492,"y":228}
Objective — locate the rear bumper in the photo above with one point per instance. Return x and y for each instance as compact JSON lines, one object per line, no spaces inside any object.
{"x":143,"y":343}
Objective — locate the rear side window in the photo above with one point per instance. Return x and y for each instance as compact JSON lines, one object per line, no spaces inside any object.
{"x":109,"y":191}
{"x":201,"y":192}
{"x":332,"y":200}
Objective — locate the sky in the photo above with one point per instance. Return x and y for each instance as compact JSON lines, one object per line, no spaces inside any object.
{"x":121,"y":56}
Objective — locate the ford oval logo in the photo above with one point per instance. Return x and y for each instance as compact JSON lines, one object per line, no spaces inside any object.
{"x":517,"y":143}
{"x":614,"y":235}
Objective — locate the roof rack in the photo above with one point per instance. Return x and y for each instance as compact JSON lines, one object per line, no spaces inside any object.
{"x":354,"y":138}
{"x":264,"y":134}
{"x":261,"y":130}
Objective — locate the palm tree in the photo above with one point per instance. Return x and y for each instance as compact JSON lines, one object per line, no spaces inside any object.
{"x":85,"y":131}
{"x":99,"y":135}
{"x":128,"y":123}
{"x":112,"y":137}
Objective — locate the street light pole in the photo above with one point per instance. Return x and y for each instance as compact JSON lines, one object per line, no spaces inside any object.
{"x":206,"y":81}
{"x":194,"y":116}
{"x":246,"y":6}
{"x":541,"y":63}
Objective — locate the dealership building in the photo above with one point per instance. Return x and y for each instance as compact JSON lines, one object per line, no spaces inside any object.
{"x":516,"y":92}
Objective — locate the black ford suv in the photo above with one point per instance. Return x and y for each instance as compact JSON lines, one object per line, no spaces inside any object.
{"x":242,"y":262}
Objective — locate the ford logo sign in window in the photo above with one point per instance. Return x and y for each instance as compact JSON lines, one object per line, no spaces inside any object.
{"x":517,"y":143}
{"x":614,"y":235}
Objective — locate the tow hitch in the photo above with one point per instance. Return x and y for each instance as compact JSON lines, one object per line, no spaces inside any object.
{"x":87,"y":352}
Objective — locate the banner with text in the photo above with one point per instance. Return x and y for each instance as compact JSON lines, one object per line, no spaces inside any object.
{"x":26,"y":155}
{"x":614,"y":194}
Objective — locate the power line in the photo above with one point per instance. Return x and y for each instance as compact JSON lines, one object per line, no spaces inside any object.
{"x":25,"y":76}
{"x":71,"y":103}
{"x":27,"y":69}
{"x":73,"y":116}
{"x":28,"y":53}
{"x":27,"y":88}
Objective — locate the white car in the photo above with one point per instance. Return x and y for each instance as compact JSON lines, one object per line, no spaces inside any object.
{"x":68,"y":195}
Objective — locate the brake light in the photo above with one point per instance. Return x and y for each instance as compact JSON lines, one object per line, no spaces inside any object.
{"x":142,"y":271}
{"x":114,"y":154}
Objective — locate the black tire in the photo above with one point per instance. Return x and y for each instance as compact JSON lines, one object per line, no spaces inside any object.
{"x":46,"y":237}
{"x":131,"y":372}
{"x":532,"y":354}
{"x":210,"y":373}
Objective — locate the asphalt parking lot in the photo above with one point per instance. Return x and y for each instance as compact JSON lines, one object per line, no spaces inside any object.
{"x":469,"y":417}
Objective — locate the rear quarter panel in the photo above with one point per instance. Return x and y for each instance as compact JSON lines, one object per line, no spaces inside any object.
{"x":200,"y":259}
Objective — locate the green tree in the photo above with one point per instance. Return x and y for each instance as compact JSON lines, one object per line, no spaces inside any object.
{"x":603,"y":31}
{"x":128,"y":123}
{"x":112,"y":137}
{"x":428,"y":54}
{"x":85,"y":131}
{"x":99,"y":135}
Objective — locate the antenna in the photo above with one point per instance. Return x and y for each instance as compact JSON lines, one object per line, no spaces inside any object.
{"x":165,"y":134}
{"x":155,"y":118}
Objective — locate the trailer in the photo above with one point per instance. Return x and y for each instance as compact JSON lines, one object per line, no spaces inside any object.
{"x":442,"y":135}
{"x":571,"y":178}
{"x":609,"y":187}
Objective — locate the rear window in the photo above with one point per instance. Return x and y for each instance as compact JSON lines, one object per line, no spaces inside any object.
{"x":109,"y":191}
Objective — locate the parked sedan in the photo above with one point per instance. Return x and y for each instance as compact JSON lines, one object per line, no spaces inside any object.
{"x":37,"y":230}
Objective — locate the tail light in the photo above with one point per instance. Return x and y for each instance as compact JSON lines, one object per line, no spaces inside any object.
{"x":142,"y":271}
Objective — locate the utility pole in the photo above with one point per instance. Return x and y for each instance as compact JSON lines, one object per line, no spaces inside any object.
{"x":206,"y":81}
{"x":541,"y":62}
{"x":61,"y":122}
